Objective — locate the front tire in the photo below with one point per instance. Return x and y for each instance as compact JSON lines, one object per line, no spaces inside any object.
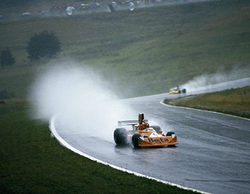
{"x":170,"y":133}
{"x":121,"y":136}
{"x":135,"y":140}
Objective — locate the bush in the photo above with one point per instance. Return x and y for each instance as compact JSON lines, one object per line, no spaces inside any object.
{"x":6,"y":58}
{"x":4,"y":94}
{"x":44,"y":44}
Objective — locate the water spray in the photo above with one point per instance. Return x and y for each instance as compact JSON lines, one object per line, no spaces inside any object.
{"x":79,"y":98}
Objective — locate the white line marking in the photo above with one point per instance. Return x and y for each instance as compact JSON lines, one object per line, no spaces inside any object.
{"x":67,"y":145}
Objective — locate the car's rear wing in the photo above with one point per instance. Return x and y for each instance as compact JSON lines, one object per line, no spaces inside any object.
{"x":129,"y":122}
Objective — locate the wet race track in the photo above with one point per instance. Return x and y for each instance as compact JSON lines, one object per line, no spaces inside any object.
{"x":213,"y":154}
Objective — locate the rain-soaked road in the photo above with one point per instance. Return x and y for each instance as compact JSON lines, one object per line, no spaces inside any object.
{"x":213,"y":154}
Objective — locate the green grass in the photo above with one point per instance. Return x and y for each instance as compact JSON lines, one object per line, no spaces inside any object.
{"x":33,"y":162}
{"x":233,"y":101}
{"x":143,"y":52}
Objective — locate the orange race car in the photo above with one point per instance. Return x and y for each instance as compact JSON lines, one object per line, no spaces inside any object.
{"x":143,"y":135}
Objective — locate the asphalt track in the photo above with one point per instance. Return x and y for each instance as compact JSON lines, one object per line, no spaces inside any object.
{"x":213,"y":154}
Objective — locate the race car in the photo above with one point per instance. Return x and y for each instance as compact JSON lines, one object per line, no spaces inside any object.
{"x":177,"y":90}
{"x":142,"y":134}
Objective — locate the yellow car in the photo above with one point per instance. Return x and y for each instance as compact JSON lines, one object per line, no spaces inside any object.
{"x":177,"y":90}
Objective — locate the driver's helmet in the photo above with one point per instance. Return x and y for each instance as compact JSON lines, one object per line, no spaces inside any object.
{"x":144,"y":125}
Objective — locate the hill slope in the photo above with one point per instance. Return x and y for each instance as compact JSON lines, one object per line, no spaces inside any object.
{"x":143,"y":52}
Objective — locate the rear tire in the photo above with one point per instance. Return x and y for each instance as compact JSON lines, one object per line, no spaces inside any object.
{"x":184,"y":91}
{"x":135,"y":140}
{"x":121,"y":136}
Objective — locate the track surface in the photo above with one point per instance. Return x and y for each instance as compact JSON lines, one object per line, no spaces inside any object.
{"x":213,"y":154}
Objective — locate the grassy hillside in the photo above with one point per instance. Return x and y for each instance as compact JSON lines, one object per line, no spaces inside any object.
{"x":233,"y":101}
{"x":33,"y":162}
{"x":143,"y":52}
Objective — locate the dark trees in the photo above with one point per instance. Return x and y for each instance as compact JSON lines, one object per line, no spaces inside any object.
{"x":43,"y":44}
{"x":6,"y":58}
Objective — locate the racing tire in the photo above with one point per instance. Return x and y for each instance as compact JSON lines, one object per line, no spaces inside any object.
{"x":184,"y":91}
{"x":135,"y":140}
{"x":121,"y":136}
{"x":170,"y":133}
{"x":156,"y":128}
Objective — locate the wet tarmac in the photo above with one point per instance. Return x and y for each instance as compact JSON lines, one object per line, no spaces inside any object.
{"x":213,"y":154}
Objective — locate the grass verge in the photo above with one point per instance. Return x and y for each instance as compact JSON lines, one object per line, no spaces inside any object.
{"x":233,"y":101}
{"x":33,"y":162}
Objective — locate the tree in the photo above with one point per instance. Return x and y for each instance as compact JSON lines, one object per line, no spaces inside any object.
{"x":6,"y":58}
{"x":43,"y":44}
{"x":4,"y":94}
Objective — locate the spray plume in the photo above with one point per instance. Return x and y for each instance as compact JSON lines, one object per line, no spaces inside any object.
{"x":223,"y":78}
{"x":79,"y":99}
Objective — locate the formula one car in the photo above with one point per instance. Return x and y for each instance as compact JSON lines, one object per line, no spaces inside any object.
{"x":143,"y":135}
{"x":177,"y":90}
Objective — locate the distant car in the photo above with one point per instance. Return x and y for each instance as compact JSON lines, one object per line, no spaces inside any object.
{"x":142,"y":134}
{"x":177,"y":90}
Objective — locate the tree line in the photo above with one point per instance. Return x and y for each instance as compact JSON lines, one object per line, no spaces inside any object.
{"x":43,"y":44}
